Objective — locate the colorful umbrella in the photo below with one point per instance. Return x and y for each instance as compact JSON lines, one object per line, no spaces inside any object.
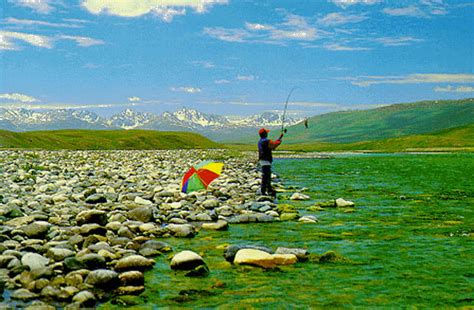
{"x":200,"y":176}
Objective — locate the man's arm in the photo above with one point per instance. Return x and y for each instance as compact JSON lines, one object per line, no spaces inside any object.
{"x":274,"y":144}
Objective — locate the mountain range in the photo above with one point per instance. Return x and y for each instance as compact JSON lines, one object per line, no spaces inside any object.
{"x":213,"y":126}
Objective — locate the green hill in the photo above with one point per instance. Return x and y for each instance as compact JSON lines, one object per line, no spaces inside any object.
{"x":387,"y":122}
{"x":456,"y":139}
{"x":104,"y":140}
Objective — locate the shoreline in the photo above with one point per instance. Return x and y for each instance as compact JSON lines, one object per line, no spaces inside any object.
{"x":75,"y":223}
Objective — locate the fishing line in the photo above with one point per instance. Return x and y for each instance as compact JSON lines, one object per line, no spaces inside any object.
{"x":283,"y":129}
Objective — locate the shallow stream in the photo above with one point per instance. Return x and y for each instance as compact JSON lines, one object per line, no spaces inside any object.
{"x":409,"y":241}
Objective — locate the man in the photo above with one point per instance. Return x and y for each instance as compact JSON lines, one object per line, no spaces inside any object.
{"x":265,"y":147}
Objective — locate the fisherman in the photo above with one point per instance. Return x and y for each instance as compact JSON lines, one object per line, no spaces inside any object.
{"x":306,"y":123}
{"x":265,"y":147}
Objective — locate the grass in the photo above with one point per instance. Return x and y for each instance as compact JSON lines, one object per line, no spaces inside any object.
{"x":457,"y":139}
{"x":104,"y":140}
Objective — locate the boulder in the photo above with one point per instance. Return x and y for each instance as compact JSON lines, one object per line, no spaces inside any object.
{"x":186,"y":260}
{"x":299,"y":196}
{"x":103,"y":278}
{"x":219,"y":225}
{"x":85,"y":299}
{"x":134,"y":262}
{"x":142,"y":214}
{"x":301,"y":254}
{"x":141,"y":201}
{"x":181,"y":230}
{"x":230,"y":251}
{"x":341,"y":203}
{"x":285,"y":259}
{"x":23,"y":294}
{"x":92,"y":217}
{"x":255,"y":258}
{"x":34,"y":261}
{"x":36,"y":230}
{"x":134,"y":278}
{"x":92,"y":261}
{"x":59,"y":254}
{"x":96,"y":198}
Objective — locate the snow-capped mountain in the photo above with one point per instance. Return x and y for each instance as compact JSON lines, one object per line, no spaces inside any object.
{"x":217,"y":127}
{"x":24,"y":119}
{"x":130,"y":119}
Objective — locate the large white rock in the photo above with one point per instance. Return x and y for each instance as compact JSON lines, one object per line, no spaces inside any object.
{"x":341,"y":203}
{"x":186,"y":260}
{"x":34,"y":261}
{"x":255,"y":258}
{"x":141,"y":201}
{"x":299,"y":196}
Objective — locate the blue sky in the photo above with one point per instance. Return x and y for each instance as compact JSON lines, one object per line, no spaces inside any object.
{"x":233,"y":56}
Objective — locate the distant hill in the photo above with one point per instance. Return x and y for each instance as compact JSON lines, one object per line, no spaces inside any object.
{"x":458,"y":139}
{"x":104,"y":140}
{"x":396,"y":120}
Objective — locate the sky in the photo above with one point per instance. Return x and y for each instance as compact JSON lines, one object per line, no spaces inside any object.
{"x":233,"y":57}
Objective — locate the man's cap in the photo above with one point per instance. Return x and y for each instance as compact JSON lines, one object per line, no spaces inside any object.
{"x":262,"y":130}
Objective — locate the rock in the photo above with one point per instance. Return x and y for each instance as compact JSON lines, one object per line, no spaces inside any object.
{"x":299,"y":196}
{"x":23,"y":294}
{"x":85,"y":299}
{"x":39,"y":305}
{"x":181,"y":230}
{"x":289,"y":216}
{"x":231,"y":251}
{"x":96,"y":198}
{"x":341,"y":203}
{"x":219,"y":225}
{"x":34,"y":261}
{"x":255,"y":258}
{"x":134,"y":278}
{"x":141,"y":201}
{"x":6,"y":259}
{"x":36,"y":230}
{"x":186,"y":260}
{"x":134,"y":262}
{"x":72,"y":263}
{"x":301,"y":254}
{"x":326,"y":204}
{"x":211,"y":203}
{"x":59,"y":254}
{"x":203,"y":217}
{"x":92,"y":217}
{"x":92,"y":261}
{"x":285,"y":259}
{"x":130,"y":290}
{"x":142,"y":214}
{"x":92,"y":229}
{"x":308,"y":219}
{"x":103,"y":278}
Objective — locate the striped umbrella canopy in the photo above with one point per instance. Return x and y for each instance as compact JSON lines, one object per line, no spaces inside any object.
{"x":200,"y":176}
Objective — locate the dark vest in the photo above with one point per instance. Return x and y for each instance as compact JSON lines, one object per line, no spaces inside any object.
{"x":264,"y":151}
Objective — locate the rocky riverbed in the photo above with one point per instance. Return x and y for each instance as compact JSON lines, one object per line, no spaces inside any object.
{"x":78,"y":227}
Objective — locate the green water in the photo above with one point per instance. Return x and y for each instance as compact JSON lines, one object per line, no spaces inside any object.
{"x":410,"y":241}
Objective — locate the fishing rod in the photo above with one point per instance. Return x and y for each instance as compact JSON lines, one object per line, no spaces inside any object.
{"x":283,"y":129}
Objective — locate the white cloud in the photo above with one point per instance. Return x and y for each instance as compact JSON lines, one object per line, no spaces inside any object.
{"x":252,"y":26}
{"x":227,"y":34}
{"x":397,"y":41}
{"x":134,"y":99}
{"x":18,"y":97}
{"x":29,"y":22}
{"x":40,"y":6}
{"x":411,"y":10}
{"x":83,"y":41}
{"x":245,"y":77}
{"x":203,"y":64}
{"x":164,"y":9}
{"x":186,"y":89}
{"x":339,"y":47}
{"x":7,"y":39}
{"x":417,"y":78}
{"x":223,"y":81}
{"x":451,"y":89}
{"x":295,"y":27}
{"x":346,"y":3}
{"x":335,"y":19}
